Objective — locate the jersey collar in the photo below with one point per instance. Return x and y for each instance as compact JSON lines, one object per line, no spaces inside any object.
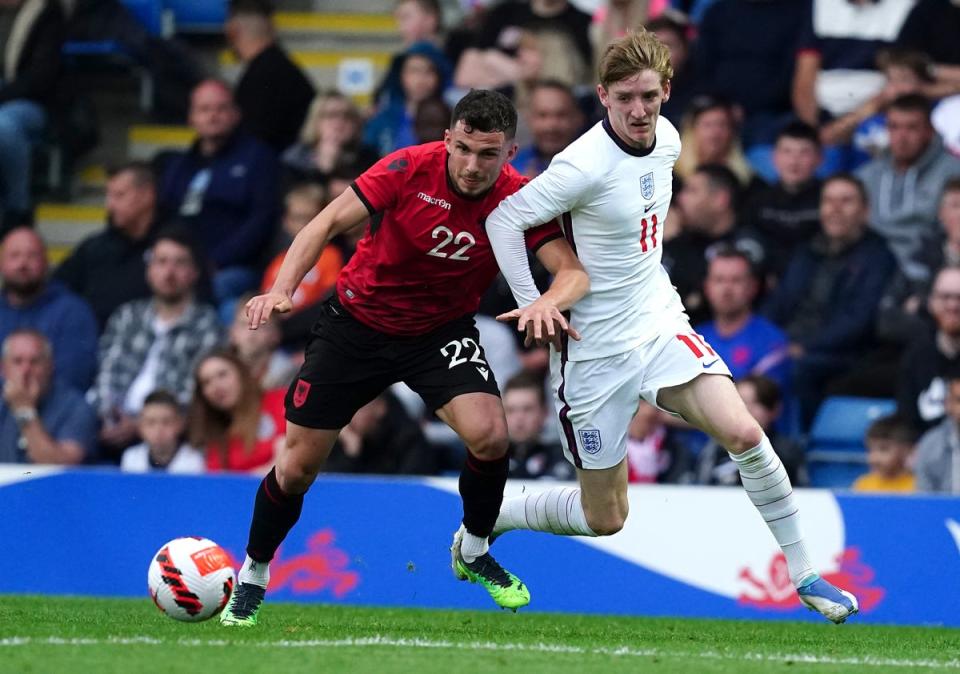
{"x":629,"y":149}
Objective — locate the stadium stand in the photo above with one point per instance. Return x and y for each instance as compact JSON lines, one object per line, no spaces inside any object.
{"x":836,"y":455}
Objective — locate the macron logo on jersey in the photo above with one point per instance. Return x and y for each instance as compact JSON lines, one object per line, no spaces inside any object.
{"x":442,"y":203}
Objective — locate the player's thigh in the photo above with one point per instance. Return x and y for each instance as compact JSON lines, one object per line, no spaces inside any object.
{"x":594,"y":402}
{"x":449,"y":370}
{"x":603,"y":493}
{"x":479,"y":420}
{"x":302,"y":456}
{"x":711,"y":403}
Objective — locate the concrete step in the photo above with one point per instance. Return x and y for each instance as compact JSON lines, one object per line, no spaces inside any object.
{"x":63,"y":226}
{"x":145,"y":140}
{"x":334,"y":22}
{"x":364,"y":6}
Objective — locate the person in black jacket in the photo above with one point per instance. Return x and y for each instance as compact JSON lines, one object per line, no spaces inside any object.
{"x":31,"y":32}
{"x":828,"y":298}
{"x":273,"y":94}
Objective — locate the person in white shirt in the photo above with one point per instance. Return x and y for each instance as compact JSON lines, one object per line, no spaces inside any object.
{"x":161,"y":424}
{"x":612,"y":189}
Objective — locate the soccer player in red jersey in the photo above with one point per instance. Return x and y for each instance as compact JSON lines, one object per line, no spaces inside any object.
{"x":403,"y":311}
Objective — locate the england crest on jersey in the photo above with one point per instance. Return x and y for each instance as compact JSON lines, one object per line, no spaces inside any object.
{"x":646,"y":185}
{"x":590,"y":439}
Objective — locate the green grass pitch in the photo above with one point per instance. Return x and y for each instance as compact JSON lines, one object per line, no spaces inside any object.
{"x":49,"y":634}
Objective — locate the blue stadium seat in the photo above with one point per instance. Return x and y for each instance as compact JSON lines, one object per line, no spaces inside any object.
{"x":836,"y":455}
{"x":197,"y":16}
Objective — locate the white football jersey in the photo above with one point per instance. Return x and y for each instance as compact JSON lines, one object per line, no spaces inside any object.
{"x":613,"y":201}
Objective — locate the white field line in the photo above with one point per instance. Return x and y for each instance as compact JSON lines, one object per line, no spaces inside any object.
{"x":392,"y":642}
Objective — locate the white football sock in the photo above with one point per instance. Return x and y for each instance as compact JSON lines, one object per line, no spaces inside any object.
{"x":255,"y":573}
{"x":472,"y":547}
{"x":557,"y":511}
{"x":766,"y":483}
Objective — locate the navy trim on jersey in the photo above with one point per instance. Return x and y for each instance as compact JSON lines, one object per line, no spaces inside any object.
{"x":552,"y":237}
{"x":566,"y":221}
{"x":629,"y":149}
{"x":363,"y":199}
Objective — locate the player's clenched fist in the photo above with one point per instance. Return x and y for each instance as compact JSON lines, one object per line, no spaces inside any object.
{"x":260,"y":307}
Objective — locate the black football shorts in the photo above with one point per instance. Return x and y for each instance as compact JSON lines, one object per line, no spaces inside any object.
{"x":348,"y":364}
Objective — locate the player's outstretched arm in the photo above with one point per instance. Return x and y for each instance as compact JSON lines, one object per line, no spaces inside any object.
{"x":342,"y":214}
{"x":543,"y":320}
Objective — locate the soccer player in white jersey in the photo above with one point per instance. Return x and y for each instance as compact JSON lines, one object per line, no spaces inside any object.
{"x":612,"y":188}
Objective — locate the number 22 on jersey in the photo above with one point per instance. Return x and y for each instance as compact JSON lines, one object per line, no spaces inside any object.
{"x":461,"y":241}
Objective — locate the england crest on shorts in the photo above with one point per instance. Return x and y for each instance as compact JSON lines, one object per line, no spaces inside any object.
{"x":590,"y":439}
{"x":646,"y":185}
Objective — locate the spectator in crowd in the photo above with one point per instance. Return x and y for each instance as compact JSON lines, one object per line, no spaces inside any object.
{"x":42,"y":419}
{"x":653,"y":452}
{"x":273,"y":94}
{"x":905,"y":183}
{"x":259,"y":349}
{"x":671,"y":29}
{"x":764,"y":401}
{"x":903,"y":308}
{"x":492,"y":60}
{"x":545,"y":54}
{"x":931,"y":27}
{"x":937,"y":465}
{"x":709,"y":203}
{"x":330,"y":138}
{"x":525,"y":404}
{"x":238,"y":425}
{"x":786,"y":214}
{"x":613,"y":19}
{"x":890,"y":442}
{"x":161,"y":424}
{"x":31,"y":32}
{"x":225,"y":189}
{"x":172,"y":66}
{"x":417,"y":21}
{"x":745,"y":51}
{"x":153,"y":343}
{"x":109,"y":268}
{"x":381,"y":438}
{"x":932,"y":355}
{"x":836,"y":55}
{"x":424,"y":74}
{"x":302,"y":203}
{"x":29,"y":300}
{"x":748,"y":343}
{"x":828,"y":298}
{"x":554,"y":119}
{"x":709,"y":136}
{"x":431,"y":120}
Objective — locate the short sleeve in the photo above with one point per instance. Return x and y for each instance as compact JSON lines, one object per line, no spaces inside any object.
{"x":545,"y":233}
{"x":379,"y":185}
{"x":808,"y":41}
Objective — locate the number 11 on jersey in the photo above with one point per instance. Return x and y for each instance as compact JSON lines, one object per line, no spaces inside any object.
{"x":652,"y":225}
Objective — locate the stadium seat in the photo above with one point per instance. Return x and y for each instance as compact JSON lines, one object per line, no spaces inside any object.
{"x":197,"y":16}
{"x":836,"y":455}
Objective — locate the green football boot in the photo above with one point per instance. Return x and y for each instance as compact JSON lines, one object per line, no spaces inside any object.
{"x":244,"y":606}
{"x":506,"y":589}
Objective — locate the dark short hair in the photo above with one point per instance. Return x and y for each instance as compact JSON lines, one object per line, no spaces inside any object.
{"x":486,"y":111}
{"x":163,"y":397}
{"x":263,"y":8}
{"x":428,"y":6}
{"x":669,"y":22}
{"x":179,"y":234}
{"x":706,"y":102}
{"x":720,"y":177}
{"x":730,"y":251}
{"x":892,"y":427}
{"x":556,"y":85}
{"x":952,"y":185}
{"x":768,"y":391}
{"x":912,"y":103}
{"x":847,"y":177}
{"x":526,"y":380}
{"x":142,"y":172}
{"x":800,"y":131}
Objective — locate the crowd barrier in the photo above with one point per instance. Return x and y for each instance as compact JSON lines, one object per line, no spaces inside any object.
{"x":686,"y":551}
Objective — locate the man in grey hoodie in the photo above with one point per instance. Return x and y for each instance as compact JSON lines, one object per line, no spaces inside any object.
{"x":906,"y":181}
{"x":938,"y":453}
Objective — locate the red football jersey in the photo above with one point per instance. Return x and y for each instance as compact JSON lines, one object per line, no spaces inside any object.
{"x":426,"y":259}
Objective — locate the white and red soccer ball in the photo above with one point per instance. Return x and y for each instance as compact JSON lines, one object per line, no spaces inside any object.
{"x":191,"y":579}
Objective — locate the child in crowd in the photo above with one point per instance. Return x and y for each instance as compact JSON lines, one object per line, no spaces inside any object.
{"x":161,"y":424}
{"x":890,"y":441}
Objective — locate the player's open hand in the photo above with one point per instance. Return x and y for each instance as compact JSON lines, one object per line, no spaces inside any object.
{"x":261,"y":307}
{"x":543,"y":323}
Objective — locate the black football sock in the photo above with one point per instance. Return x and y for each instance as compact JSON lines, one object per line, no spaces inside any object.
{"x":481,"y":488}
{"x":274,"y":514}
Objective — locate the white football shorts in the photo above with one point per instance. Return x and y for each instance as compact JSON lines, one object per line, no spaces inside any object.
{"x":596,"y":399}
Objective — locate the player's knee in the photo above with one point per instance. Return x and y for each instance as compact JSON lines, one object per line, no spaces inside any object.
{"x":746,"y":434}
{"x":607,"y":522}
{"x":294,"y":474}
{"x":490,"y":442}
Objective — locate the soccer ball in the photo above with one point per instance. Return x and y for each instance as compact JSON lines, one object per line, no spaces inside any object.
{"x":190,"y":579}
